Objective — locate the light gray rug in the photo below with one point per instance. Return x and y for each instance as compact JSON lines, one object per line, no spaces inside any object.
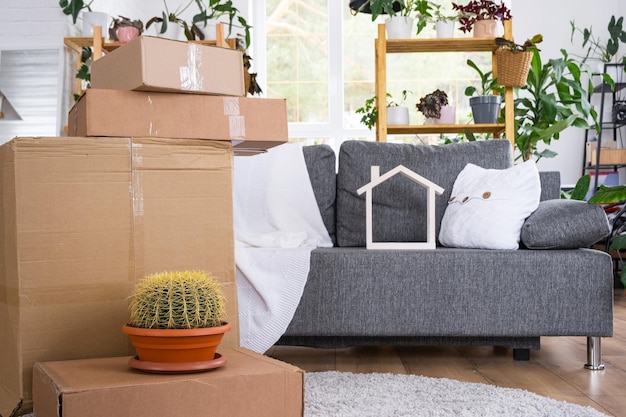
{"x":343,"y":394}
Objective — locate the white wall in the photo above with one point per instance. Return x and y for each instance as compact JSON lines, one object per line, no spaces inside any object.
{"x":39,"y":24}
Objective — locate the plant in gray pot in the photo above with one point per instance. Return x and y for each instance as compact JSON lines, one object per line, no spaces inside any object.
{"x":485,"y":103}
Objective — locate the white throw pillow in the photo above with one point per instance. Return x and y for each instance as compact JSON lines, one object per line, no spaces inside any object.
{"x":488,"y":207}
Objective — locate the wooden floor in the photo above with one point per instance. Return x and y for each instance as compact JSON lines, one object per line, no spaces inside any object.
{"x":555,"y":371}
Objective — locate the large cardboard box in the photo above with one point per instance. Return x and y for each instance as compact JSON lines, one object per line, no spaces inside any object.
{"x":158,"y":64}
{"x":248,"y":385}
{"x":82,"y":220}
{"x":251,"y":124}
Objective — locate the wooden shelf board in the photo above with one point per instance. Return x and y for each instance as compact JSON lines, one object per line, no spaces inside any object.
{"x":77,"y":43}
{"x":441,"y":45}
{"x":442,"y":129}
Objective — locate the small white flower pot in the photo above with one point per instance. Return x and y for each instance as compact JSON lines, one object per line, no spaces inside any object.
{"x":399,"y":27}
{"x":448,"y":116}
{"x":445,"y":29}
{"x":91,"y":19}
{"x":397,"y":115}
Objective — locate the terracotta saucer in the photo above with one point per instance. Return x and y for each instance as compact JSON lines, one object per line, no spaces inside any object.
{"x":177,"y":367}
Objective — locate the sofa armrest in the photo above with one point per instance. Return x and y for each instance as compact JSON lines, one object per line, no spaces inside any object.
{"x":564,"y":224}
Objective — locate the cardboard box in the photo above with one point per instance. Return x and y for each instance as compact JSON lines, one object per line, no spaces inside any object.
{"x":82,"y":220}
{"x":590,"y":150}
{"x":252,"y":124}
{"x":248,"y":385}
{"x":158,"y":64}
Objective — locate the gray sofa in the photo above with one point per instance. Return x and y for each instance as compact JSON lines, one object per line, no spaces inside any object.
{"x":552,"y":286}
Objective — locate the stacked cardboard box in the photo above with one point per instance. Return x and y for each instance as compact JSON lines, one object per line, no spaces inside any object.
{"x":145,"y":187}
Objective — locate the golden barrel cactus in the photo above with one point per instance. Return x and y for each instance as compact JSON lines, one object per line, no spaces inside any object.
{"x":177,"y":300}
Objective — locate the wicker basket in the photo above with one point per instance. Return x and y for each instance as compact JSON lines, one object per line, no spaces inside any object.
{"x":512,"y":67}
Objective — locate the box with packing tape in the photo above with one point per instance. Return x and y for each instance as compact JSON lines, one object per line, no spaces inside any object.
{"x":249,"y":384}
{"x":83,"y":219}
{"x":251,"y":124}
{"x":158,"y":64}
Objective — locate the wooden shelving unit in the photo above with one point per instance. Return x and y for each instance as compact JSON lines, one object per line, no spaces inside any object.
{"x":399,"y":46}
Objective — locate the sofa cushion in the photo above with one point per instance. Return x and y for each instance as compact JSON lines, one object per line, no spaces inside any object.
{"x":488,"y":207}
{"x":399,"y":205}
{"x":563,"y":224}
{"x":320,"y":163}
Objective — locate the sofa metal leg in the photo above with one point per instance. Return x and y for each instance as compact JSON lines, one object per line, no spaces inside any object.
{"x":521,"y":354}
{"x":594,"y":354}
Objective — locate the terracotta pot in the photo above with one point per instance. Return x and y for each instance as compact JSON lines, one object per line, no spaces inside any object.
{"x":485,"y":29}
{"x":127,"y":33}
{"x":176,"y":345}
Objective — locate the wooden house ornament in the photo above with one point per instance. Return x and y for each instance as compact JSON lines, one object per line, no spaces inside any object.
{"x":431,"y":188}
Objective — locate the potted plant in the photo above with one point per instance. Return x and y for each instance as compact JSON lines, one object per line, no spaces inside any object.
{"x":176,"y":322}
{"x":484,"y":103}
{"x":397,"y":114}
{"x":90,"y":18}
{"x":402,"y":15}
{"x":601,"y":51}
{"x":170,"y":23}
{"x":444,"y":20}
{"x":123,"y":29}
{"x":481,"y":15}
{"x":434,"y":107}
{"x":216,"y":9}
{"x":554,"y":98}
{"x":513,"y":60}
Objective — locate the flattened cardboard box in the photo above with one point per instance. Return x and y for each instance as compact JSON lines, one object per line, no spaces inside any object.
{"x":252,"y":124}
{"x":82,"y":220}
{"x":156,"y":64}
{"x":248,"y":385}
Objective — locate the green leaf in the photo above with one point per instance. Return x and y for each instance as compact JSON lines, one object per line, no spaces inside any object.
{"x":608,"y":194}
{"x":618,"y":242}
{"x":581,"y":188}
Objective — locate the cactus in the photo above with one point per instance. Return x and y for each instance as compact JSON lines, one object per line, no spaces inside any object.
{"x":177,"y":300}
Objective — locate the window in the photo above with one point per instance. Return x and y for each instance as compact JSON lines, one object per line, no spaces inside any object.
{"x":321,"y":59}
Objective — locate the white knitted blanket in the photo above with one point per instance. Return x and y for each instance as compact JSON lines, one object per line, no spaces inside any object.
{"x":277,"y":225}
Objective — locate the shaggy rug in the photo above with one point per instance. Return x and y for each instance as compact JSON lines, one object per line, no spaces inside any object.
{"x":341,"y":394}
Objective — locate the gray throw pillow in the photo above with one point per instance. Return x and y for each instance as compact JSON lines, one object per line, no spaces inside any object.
{"x":564,"y":224}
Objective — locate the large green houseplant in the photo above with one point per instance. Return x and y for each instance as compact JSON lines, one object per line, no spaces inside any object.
{"x":181,"y":305}
{"x":216,"y":9}
{"x":555,"y":97}
{"x":74,"y":7}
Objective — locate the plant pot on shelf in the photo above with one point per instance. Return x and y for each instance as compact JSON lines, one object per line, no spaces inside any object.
{"x":173,"y":31}
{"x":485,"y":109}
{"x":445,"y":29}
{"x":399,"y":27}
{"x":126,"y":34}
{"x":513,"y":67}
{"x":91,"y":19}
{"x":397,"y":115}
{"x":485,"y":28}
{"x":448,"y":116}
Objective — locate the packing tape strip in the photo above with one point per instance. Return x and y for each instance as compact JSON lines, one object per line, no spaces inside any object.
{"x":236,"y":122}
{"x":138,"y":208}
{"x":191,"y":78}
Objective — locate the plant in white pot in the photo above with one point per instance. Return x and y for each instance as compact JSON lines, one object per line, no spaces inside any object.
{"x":176,"y":322}
{"x":402,"y":15}
{"x":397,"y":113}
{"x":485,"y":102}
{"x":169,"y":24}
{"x":215,"y":10}
{"x":444,"y":20}
{"x":89,"y":17}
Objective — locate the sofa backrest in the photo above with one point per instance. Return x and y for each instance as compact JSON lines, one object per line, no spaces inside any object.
{"x":399,"y":205}
{"x":397,"y":202}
